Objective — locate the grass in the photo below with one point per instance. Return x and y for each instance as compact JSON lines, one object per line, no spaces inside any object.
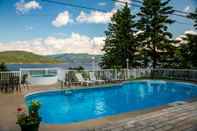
{"x":22,"y":57}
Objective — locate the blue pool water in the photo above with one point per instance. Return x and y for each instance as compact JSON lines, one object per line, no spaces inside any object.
{"x":60,"y":107}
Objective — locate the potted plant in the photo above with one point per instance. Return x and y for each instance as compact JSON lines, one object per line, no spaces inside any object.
{"x":29,"y":121}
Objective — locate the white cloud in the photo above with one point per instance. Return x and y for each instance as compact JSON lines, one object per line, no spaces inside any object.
{"x":191,"y":32}
{"x":102,"y":3}
{"x":62,"y":19}
{"x":180,"y":38}
{"x":187,"y":9}
{"x":23,"y":7}
{"x":28,"y":28}
{"x":94,"y":17}
{"x":75,"y":43}
{"x":100,"y":17}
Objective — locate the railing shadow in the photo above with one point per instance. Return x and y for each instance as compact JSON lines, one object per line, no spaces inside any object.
{"x":10,"y":86}
{"x":9,"y":90}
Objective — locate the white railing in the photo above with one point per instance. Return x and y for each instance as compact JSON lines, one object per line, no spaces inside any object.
{"x":6,"y":75}
{"x":104,"y":74}
{"x":136,"y":73}
{"x":68,"y":76}
{"x":124,"y":74}
{"x":179,"y":74}
{"x":11,"y":79}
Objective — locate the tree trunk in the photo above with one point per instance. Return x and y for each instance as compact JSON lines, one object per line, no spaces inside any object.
{"x":154,"y":61}
{"x":154,"y":56}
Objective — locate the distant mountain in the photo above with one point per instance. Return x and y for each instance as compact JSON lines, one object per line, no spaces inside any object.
{"x":77,"y":58}
{"x":23,"y":57}
{"x":69,"y":60}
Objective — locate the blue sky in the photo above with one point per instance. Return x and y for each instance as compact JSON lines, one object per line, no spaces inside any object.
{"x":46,"y":28}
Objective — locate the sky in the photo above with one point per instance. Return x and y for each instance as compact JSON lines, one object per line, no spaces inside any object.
{"x":47,"y":28}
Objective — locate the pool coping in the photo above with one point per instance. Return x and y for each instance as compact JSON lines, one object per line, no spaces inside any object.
{"x":116,"y":117}
{"x":103,"y":86}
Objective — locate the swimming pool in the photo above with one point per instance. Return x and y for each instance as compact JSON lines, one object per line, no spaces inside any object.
{"x":60,"y":107}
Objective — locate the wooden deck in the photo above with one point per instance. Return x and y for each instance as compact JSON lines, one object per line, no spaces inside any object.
{"x":175,"y":118}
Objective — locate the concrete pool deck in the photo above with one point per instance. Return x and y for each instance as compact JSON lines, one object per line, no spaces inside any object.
{"x":173,"y":118}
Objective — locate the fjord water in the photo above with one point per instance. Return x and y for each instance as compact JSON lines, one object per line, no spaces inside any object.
{"x":16,"y":67}
{"x":60,"y":107}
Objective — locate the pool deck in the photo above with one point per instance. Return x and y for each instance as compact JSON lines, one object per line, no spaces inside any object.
{"x":181,"y":117}
{"x":175,"y":118}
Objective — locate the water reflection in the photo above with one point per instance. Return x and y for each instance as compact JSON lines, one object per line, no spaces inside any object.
{"x":100,"y":107}
{"x":86,"y":104}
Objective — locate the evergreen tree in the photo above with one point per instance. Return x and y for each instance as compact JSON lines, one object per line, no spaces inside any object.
{"x":155,"y":38}
{"x":120,"y":41}
{"x":193,"y":16}
{"x":188,"y":50}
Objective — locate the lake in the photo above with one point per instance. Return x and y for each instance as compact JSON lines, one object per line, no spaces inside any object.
{"x":16,"y":67}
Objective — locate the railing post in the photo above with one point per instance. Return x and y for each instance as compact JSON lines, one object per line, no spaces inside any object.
{"x":116,"y":77}
{"x":128,"y":74}
{"x":20,"y":77}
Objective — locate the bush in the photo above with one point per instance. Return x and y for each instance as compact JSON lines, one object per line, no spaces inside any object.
{"x":3,"y":67}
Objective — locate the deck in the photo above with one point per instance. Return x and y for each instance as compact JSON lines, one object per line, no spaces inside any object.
{"x":169,"y":118}
{"x":175,"y":118}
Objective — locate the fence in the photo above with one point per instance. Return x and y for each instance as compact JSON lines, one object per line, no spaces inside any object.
{"x":104,"y":74}
{"x":179,"y":74}
{"x":137,"y":73}
{"x":6,"y":75}
{"x":10,"y":80}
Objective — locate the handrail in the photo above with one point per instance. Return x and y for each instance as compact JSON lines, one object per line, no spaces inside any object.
{"x":123,"y":74}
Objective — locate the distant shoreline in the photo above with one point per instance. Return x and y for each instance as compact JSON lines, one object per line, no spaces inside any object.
{"x":17,"y":67}
{"x":22,"y":57}
{"x":34,"y":63}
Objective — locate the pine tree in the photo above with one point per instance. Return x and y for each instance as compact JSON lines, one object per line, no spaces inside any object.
{"x":120,"y":41}
{"x":188,"y":51}
{"x":155,"y":38}
{"x":193,"y":16}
